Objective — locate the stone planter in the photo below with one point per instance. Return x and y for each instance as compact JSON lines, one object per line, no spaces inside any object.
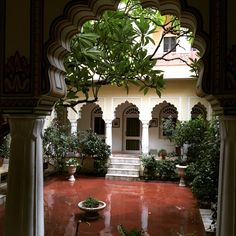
{"x":181,"y":172}
{"x":92,"y":213}
{"x":71,"y":171}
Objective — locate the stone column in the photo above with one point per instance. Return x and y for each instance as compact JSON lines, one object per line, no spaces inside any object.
{"x":73,"y":126}
{"x":145,"y":137}
{"x":226,"y":224}
{"x":109,"y":133}
{"x":24,"y":205}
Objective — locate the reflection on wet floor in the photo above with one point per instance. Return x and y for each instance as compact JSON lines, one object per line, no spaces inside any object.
{"x":161,"y":209}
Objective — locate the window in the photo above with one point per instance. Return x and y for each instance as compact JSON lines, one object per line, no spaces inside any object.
{"x":98,"y":122}
{"x":169,"y":44}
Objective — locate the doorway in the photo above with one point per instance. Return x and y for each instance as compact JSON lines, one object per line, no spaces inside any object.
{"x":132,"y":130}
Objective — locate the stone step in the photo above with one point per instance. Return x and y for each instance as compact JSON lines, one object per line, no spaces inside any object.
{"x":124,"y":160}
{"x":122,"y":177}
{"x":123,"y":171}
{"x":125,"y":166}
{"x":206,"y":215}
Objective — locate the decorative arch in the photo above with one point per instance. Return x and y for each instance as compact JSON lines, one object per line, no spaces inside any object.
{"x":163,"y":111}
{"x":126,"y":104}
{"x":89,"y":106}
{"x":199,"y":110}
{"x":76,"y":13}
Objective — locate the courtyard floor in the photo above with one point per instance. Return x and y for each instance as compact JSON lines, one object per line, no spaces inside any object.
{"x":160,"y":208}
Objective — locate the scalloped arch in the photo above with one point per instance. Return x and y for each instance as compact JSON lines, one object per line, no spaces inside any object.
{"x":125,"y":103}
{"x":163,"y":105}
{"x":77,"y":12}
{"x":92,"y":106}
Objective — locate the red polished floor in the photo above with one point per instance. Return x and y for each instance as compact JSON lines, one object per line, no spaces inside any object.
{"x":160,"y":208}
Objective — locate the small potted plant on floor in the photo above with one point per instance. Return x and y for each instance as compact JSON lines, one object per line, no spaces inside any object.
{"x":91,"y":206}
{"x":72,"y":164}
{"x":162,"y":153}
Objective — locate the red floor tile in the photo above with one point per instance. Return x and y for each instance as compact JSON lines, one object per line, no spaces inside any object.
{"x":160,"y":208}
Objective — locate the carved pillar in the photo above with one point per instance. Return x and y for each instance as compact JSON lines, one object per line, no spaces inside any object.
{"x":109,"y":133}
{"x":145,"y":137}
{"x":73,"y":126}
{"x":226,"y":224}
{"x":24,"y":206}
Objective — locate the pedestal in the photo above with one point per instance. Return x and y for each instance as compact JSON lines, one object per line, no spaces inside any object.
{"x":181,"y":173}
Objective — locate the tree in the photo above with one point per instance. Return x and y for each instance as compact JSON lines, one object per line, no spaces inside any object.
{"x":114,"y":51}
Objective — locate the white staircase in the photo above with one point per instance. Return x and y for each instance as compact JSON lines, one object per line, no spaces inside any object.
{"x":123,"y":167}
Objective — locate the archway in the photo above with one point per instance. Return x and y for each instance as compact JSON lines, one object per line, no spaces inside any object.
{"x":75,"y":14}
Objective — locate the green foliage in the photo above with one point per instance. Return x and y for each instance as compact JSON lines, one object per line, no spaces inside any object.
{"x":90,"y":144}
{"x":133,"y":232}
{"x":162,"y":153}
{"x":90,"y":202}
{"x":113,"y":51}
{"x":189,"y":132}
{"x":5,"y":148}
{"x":150,"y":166}
{"x":166,"y":169}
{"x":158,"y":169}
{"x":57,"y":143}
{"x":203,"y":154}
{"x":205,"y":170}
{"x":73,"y":161}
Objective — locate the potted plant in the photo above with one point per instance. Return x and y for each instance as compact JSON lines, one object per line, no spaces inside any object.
{"x":58,"y":142}
{"x":72,"y":164}
{"x":94,"y":153}
{"x":162,"y":153}
{"x":91,"y":206}
{"x":181,"y":172}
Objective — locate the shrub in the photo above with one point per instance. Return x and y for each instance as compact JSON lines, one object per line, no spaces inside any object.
{"x":57,"y":143}
{"x":206,"y":166}
{"x":162,"y":153}
{"x":150,"y":166}
{"x":166,"y":169}
{"x":91,"y":145}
